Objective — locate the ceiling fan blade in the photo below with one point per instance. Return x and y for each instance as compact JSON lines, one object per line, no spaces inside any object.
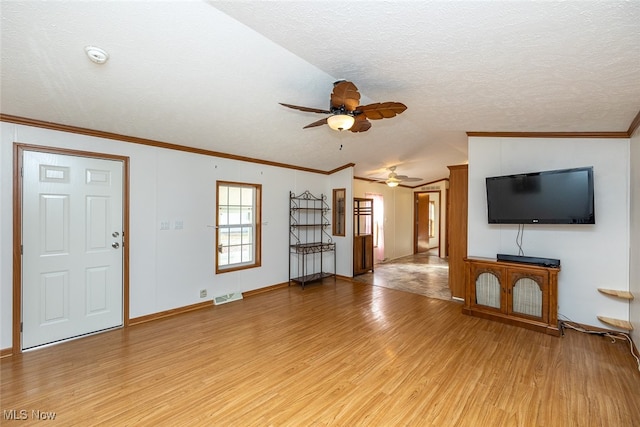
{"x":361,"y":124}
{"x":382,"y":110}
{"x":345,"y":94}
{"x":318,"y":123}
{"x":405,"y":178}
{"x":307,"y":109}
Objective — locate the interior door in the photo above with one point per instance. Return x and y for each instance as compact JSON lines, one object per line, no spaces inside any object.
{"x":422,"y":222}
{"x":72,"y":262}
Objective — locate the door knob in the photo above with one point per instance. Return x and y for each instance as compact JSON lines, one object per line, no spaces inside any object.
{"x":115,"y":245}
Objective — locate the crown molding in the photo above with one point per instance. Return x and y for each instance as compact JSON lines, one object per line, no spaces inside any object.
{"x":338,"y":169}
{"x":611,"y":135}
{"x":635,"y":124}
{"x":159,"y":144}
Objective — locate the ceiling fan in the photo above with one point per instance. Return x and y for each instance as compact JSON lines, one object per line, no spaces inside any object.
{"x":346,"y":113}
{"x":393,"y":179}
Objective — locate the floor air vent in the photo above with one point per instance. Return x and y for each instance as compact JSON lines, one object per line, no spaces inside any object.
{"x":223,"y":299}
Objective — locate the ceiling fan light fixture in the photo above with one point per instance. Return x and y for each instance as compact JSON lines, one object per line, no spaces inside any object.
{"x":392,"y":182}
{"x":340,"y":122}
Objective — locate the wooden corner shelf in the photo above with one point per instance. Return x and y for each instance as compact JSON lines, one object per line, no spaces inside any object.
{"x":616,"y":293}
{"x":622,"y":324}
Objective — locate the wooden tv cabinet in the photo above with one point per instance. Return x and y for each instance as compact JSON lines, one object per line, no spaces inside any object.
{"x":514,"y":293}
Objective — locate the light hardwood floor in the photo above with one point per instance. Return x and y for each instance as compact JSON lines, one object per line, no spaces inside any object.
{"x":344,"y":354}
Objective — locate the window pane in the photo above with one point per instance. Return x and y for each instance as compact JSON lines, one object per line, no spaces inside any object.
{"x":223,"y":257}
{"x":234,"y":215}
{"x":235,"y":255}
{"x":247,"y":235}
{"x":223,"y":195}
{"x":223,"y":215}
{"x":234,"y":236}
{"x":246,"y":215}
{"x":247,"y":253}
{"x":223,"y":237}
{"x":432,"y":219}
{"x":247,"y":196}
{"x":234,"y":195}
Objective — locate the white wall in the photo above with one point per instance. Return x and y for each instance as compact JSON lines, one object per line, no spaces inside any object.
{"x":591,"y":256}
{"x":634,"y":257}
{"x":169,"y":267}
{"x":344,"y":245}
{"x":398,"y":216}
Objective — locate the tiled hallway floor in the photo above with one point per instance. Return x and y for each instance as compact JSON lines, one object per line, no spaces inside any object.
{"x":422,"y":274}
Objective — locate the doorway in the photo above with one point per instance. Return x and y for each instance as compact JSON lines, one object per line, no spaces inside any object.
{"x":427,"y":223}
{"x":378,"y":226}
{"x":70,"y":224}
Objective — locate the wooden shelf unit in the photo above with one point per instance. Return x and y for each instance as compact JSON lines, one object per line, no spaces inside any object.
{"x":618,"y":323}
{"x":518,"y":294}
{"x":616,"y":293}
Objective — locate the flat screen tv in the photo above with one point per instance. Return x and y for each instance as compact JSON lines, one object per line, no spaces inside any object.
{"x":550,"y":197}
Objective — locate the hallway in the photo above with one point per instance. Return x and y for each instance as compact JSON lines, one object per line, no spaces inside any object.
{"x":422,"y":274}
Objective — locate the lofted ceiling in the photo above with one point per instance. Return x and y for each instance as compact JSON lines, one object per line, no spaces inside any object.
{"x":211,"y":74}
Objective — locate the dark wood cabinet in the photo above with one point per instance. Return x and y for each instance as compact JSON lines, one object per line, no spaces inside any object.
{"x":362,"y":254}
{"x":363,"y":235}
{"x":519,"y":294}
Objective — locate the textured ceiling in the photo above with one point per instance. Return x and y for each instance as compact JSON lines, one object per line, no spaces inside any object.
{"x":211,"y":74}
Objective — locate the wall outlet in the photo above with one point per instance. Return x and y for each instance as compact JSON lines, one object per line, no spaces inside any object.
{"x":203,"y":293}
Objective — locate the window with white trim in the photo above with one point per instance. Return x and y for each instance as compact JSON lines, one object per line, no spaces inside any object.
{"x":238,"y":221}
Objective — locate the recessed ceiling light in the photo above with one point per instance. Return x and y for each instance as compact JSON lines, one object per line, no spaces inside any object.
{"x":97,"y":55}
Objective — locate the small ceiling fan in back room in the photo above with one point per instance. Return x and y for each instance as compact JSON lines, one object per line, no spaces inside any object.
{"x":393,"y":179}
{"x":345,"y":113}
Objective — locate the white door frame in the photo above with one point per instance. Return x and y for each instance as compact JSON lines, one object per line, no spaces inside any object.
{"x":18,"y":152}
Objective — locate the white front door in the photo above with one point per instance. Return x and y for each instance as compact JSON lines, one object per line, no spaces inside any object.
{"x":72,"y":263}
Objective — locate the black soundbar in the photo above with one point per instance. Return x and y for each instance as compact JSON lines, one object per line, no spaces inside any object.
{"x":543,"y":262}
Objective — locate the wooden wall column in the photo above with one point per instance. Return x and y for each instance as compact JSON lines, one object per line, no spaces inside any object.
{"x":457,"y":226}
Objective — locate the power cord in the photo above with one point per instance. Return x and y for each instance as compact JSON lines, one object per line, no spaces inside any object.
{"x":613,"y":336}
{"x":519,"y":238}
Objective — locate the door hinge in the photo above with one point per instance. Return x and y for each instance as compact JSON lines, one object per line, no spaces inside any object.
{"x":21,"y":249}
{"x":22,"y":171}
{"x":20,"y":326}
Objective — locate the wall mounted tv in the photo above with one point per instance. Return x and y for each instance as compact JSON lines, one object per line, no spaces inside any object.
{"x":551,"y":197}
